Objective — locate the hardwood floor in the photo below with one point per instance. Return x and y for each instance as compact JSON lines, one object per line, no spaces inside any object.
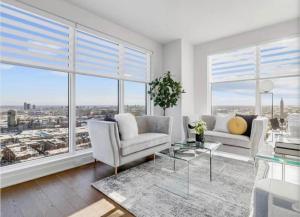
{"x":68,"y":193}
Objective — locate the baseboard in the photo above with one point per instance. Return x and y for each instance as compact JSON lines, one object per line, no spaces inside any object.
{"x":32,"y":171}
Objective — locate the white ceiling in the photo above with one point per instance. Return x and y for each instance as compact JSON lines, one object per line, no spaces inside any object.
{"x":194,"y":20}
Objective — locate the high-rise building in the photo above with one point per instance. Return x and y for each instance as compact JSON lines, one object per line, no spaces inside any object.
{"x":281,"y":109}
{"x":11,"y":118}
{"x":33,"y":106}
{"x":27,"y":106}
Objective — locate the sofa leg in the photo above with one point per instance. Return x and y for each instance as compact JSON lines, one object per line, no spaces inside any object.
{"x":116,"y":171}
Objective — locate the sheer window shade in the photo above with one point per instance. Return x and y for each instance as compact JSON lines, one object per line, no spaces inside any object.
{"x":97,"y":55}
{"x":36,"y":41}
{"x":27,"y":38}
{"x":135,"y":64}
{"x":280,"y":58}
{"x":234,"y":65}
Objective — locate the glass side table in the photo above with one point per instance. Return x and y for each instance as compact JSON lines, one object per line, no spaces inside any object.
{"x":267,"y":154}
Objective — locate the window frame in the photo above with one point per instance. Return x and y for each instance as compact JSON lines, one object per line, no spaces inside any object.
{"x":71,"y":71}
{"x":258,"y":78}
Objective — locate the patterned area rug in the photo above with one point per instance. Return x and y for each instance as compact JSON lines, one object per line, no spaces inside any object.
{"x":139,"y":189}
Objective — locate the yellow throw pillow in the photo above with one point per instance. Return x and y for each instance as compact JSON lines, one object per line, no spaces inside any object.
{"x":237,"y":125}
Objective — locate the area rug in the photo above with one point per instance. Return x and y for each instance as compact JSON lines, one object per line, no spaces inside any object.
{"x":228,"y":194}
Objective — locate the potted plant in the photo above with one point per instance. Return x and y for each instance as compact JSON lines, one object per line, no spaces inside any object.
{"x":165,"y":92}
{"x":199,"y":127}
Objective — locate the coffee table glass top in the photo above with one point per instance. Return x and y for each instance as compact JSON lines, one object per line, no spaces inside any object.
{"x":187,"y":151}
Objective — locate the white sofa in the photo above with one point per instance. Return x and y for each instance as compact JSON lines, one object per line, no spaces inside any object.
{"x":256,"y":139}
{"x":154,"y":135}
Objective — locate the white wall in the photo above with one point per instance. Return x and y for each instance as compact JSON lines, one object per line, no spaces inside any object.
{"x":75,"y":14}
{"x":187,"y":78}
{"x":178,"y":58}
{"x":266,"y":34}
{"x":172,"y":63}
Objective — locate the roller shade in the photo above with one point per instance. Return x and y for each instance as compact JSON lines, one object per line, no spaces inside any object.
{"x":27,"y":38}
{"x":96,"y":55}
{"x":135,"y":64}
{"x":35,"y":41}
{"x":280,"y":58}
{"x":235,"y":65}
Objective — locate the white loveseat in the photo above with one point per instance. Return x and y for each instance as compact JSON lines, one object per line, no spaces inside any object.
{"x":154,"y":135}
{"x":256,"y":139}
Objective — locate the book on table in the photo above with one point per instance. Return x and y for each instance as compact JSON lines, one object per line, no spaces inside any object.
{"x":286,"y":151}
{"x":290,"y":143}
{"x":288,"y":146}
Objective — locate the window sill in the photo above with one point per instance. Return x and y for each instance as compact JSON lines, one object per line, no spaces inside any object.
{"x":17,"y":173}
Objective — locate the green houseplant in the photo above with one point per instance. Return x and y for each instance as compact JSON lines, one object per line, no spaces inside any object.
{"x":165,"y":91}
{"x":199,"y":127}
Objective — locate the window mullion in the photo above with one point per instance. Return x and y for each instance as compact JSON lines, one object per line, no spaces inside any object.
{"x":257,"y":90}
{"x":121,"y":75}
{"x":72,"y":96}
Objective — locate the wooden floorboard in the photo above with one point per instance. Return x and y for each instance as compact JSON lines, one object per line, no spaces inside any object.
{"x":67,"y":193}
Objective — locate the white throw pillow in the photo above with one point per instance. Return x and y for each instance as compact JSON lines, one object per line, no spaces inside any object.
{"x":222,"y":123}
{"x":127,"y":126}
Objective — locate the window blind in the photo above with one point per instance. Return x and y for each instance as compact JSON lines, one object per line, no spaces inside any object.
{"x":27,"y":38}
{"x":234,"y":65}
{"x":280,"y":58}
{"x":36,"y":41}
{"x":96,"y":55}
{"x":135,"y":64}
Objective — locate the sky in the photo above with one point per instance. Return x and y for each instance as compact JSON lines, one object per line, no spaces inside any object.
{"x":42,"y":87}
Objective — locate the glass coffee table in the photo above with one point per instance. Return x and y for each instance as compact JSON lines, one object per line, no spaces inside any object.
{"x":172,"y":165}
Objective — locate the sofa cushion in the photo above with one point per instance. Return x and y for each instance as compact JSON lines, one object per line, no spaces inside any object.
{"x":222,"y":123}
{"x":127,"y":126}
{"x":210,"y":121}
{"x":227,"y":139}
{"x":143,"y":141}
{"x":237,"y":125}
{"x":249,"y":119}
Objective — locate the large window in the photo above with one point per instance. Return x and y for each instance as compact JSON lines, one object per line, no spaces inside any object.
{"x":34,"y":113}
{"x":233,"y":97}
{"x":95,"y":98}
{"x":237,"y":77}
{"x":55,"y":75}
{"x":135,"y":98}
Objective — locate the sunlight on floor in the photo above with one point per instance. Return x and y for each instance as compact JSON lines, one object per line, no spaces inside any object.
{"x":100,"y":208}
{"x":117,"y":197}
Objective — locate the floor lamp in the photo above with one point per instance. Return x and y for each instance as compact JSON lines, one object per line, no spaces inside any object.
{"x":266,"y":87}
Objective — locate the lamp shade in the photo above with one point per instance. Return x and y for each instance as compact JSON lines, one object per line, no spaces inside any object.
{"x":266,"y":86}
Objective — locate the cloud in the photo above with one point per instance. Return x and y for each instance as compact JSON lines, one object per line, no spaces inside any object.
{"x":6,"y":67}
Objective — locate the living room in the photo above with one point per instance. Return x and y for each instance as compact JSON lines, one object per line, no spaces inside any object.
{"x":150,"y":108}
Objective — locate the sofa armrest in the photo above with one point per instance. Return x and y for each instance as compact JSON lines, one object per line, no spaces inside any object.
{"x":154,"y":124}
{"x":105,"y":141}
{"x":258,"y":132}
